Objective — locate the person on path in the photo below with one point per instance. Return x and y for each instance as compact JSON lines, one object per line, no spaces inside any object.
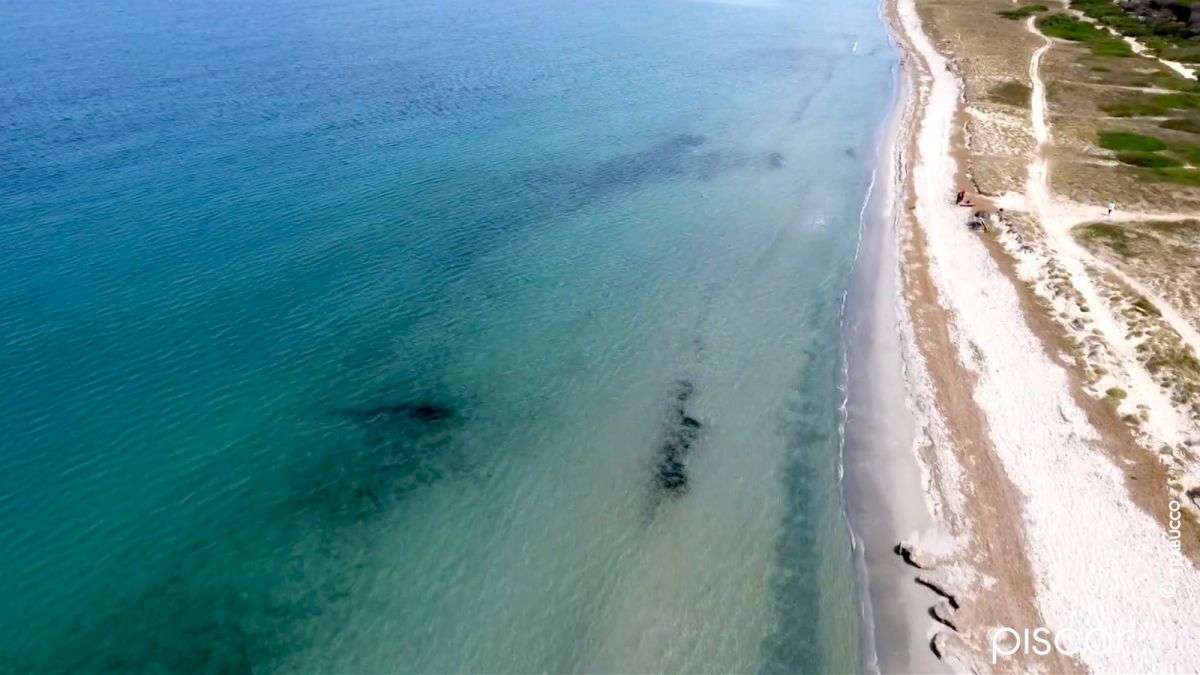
{"x":959,"y":197}
{"x":1111,"y":206}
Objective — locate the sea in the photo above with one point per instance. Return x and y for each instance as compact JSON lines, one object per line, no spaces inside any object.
{"x":364,"y":336}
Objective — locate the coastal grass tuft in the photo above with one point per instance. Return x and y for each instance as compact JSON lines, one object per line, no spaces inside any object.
{"x":1023,"y":12}
{"x":1175,"y":361}
{"x":1145,"y":306}
{"x":1011,"y":93}
{"x":1112,"y":236}
{"x":1124,"y":140}
{"x":1148,"y":160}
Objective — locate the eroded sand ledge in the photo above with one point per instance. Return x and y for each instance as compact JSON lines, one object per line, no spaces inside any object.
{"x":1036,"y":523}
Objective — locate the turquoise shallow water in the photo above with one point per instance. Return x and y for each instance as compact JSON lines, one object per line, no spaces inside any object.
{"x":363,"y":336}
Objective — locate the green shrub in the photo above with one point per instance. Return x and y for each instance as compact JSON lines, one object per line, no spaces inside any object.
{"x":1134,"y":109}
{"x":1186,"y":124}
{"x":1123,"y":140}
{"x":1069,"y":28}
{"x":1188,"y":52}
{"x":1179,"y":175}
{"x":1180,"y":101}
{"x":1023,"y":12}
{"x":1154,"y":106}
{"x":1189,"y":153}
{"x":1011,"y":93}
{"x":1161,"y":36}
{"x":1175,"y":81}
{"x":1111,"y":47}
{"x":1148,"y":160}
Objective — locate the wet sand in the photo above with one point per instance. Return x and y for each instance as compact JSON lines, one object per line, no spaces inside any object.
{"x":883,"y":484}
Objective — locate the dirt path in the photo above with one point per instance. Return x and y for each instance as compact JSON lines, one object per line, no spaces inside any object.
{"x":1058,"y":218}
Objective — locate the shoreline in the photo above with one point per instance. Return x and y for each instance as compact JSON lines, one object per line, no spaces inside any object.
{"x":883,"y":484}
{"x":1005,"y":457}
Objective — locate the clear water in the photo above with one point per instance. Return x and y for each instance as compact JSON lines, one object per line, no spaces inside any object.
{"x":349,"y":335}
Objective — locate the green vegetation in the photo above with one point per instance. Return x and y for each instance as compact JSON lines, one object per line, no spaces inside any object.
{"x":1116,"y":394}
{"x":1111,"y":48}
{"x":1158,"y":105}
{"x":1173,"y":80}
{"x":1187,"y":124}
{"x":1011,"y":93}
{"x":1180,"y":101}
{"x":1069,"y":28}
{"x":1023,"y":12}
{"x":1189,"y":153}
{"x":1144,"y":151}
{"x":1149,"y":160}
{"x":1137,"y":109}
{"x":1110,"y":14}
{"x":1174,"y":227}
{"x":1101,"y":69}
{"x":1123,"y":140}
{"x":1188,"y":53}
{"x":1181,"y":176}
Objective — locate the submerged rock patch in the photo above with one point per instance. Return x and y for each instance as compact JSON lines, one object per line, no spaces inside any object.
{"x":681,"y":434}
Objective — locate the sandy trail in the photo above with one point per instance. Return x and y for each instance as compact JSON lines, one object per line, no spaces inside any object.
{"x":1058,"y":218}
{"x":1165,"y":419}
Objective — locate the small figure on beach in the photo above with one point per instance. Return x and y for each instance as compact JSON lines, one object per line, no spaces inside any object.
{"x":1111,"y":207}
{"x":958,"y":199}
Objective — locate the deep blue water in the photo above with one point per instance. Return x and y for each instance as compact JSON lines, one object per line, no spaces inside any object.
{"x":353,"y":335}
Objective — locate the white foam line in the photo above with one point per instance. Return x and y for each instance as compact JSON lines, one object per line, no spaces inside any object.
{"x":868,"y":648}
{"x":1098,"y":561}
